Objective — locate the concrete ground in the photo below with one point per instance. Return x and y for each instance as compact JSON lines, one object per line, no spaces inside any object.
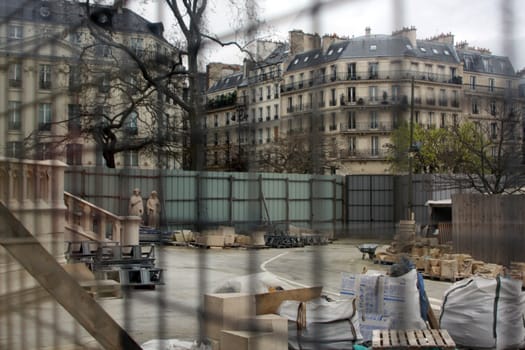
{"x":173,"y":310}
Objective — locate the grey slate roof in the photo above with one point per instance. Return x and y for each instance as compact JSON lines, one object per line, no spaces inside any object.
{"x":229,"y":82}
{"x":72,"y":14}
{"x":474,"y":61}
{"x":376,"y":46}
{"x":276,"y":56}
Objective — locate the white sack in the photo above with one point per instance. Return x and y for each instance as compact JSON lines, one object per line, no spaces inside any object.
{"x":253,"y":284}
{"x":468,"y":313}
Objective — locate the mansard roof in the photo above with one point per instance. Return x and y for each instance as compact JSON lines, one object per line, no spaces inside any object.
{"x":479,"y":62}
{"x":229,"y":82}
{"x":370,"y":46}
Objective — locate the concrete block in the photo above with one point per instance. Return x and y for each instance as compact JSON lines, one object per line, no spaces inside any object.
{"x":247,"y":340}
{"x":210,"y":240}
{"x":449,"y":269}
{"x":223,"y":311}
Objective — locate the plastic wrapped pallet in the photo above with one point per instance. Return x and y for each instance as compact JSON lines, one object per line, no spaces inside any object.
{"x":320,"y":323}
{"x":484,"y":313}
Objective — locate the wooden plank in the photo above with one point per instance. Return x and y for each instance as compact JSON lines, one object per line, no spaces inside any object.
{"x":437,"y":337}
{"x":448,"y":339}
{"x":268,"y":303}
{"x":412,"y":341}
{"x":61,"y":286}
{"x":402,"y":338}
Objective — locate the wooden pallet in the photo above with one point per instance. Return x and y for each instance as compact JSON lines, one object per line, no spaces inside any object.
{"x":458,"y":277}
{"x":412,"y":339}
{"x":102,"y":288}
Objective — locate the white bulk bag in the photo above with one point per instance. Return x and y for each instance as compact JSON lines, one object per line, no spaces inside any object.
{"x":484,"y":313}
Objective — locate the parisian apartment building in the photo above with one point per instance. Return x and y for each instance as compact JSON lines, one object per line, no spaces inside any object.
{"x":55,"y":76}
{"x":344,"y":96}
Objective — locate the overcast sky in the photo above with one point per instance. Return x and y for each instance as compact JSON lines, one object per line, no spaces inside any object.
{"x":482,"y":23}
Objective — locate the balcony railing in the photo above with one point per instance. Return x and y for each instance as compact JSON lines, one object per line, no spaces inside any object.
{"x":367,"y":127}
{"x":367,"y":153}
{"x":373,"y":75}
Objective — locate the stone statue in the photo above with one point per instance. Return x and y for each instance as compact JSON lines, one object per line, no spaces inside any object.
{"x":153,"y":207}
{"x":136,"y":206}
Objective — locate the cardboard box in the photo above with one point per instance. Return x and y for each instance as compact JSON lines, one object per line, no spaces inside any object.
{"x":222,"y":311}
{"x":247,"y":340}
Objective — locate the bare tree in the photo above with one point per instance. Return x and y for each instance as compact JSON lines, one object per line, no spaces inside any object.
{"x":292,"y":154}
{"x":123,"y":85}
{"x":486,"y":154}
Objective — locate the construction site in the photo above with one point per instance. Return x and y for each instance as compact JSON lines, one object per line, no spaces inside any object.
{"x":99,"y":280}
{"x":324,"y":191}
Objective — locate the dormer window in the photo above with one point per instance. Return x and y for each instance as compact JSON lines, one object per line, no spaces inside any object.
{"x":296,"y":61}
{"x":316,"y":56}
{"x":330,"y":52}
{"x":435,"y":51}
{"x":306,"y":59}
{"x":423,"y":49}
{"x":339,"y":50}
{"x":408,"y":46}
{"x":373,"y":47}
{"x":446,"y":52}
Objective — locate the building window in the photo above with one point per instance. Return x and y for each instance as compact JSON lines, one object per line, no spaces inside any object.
{"x":260,"y":114}
{"x":321,"y":98}
{"x":15,"y":32}
{"x":333,"y":69}
{"x":352,"y":145}
{"x":431,"y":100}
{"x":131,"y":125}
{"x":268,"y":112}
{"x":14,"y":149}
{"x":395,"y":93}
{"x":373,"y":120}
{"x":215,"y":139}
{"x":352,"y":72}
{"x":373,"y":70}
{"x":351,"y":94}
{"x":136,"y":45}
{"x":442,"y":121}
{"x":74,"y":82}
{"x":105,"y":83}
{"x":491,"y":84}
{"x":268,"y":92}
{"x":14,"y":120}
{"x":333,"y":100}
{"x":443,"y":98}
{"x":43,"y":151}
{"x":44,"y":117}
{"x":472,"y":82}
{"x":372,"y":93}
{"x":75,"y":38}
{"x":430,"y":120}
{"x":15,"y":75}
{"x":276,"y":111}
{"x":260,"y":94}
{"x":374,"y":149}
{"x":74,"y":154}
{"x":333,"y":124}
{"x":475,"y":107}
{"x":276,"y":91}
{"x":44,"y":76}
{"x":260,"y":135}
{"x":102,"y":51}
{"x":493,"y":130}
{"x":351,"y":120}
{"x":73,"y":121}
{"x":492,"y":108}
{"x":215,"y":120}
{"x":131,"y":158}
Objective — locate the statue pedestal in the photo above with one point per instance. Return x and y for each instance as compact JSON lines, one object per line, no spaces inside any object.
{"x":130,"y":230}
